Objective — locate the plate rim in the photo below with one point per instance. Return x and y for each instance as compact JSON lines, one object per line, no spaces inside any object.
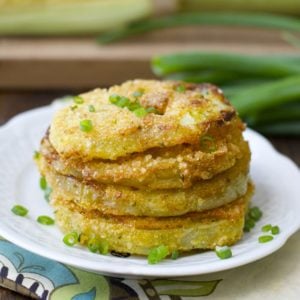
{"x":147,"y":270}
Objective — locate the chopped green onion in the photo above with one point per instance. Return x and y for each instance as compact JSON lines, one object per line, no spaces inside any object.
{"x":265,"y":238}
{"x":103,"y":247}
{"x":157,"y":254}
{"x":98,"y":245}
{"x":71,"y":239}
{"x":123,"y":102}
{"x":78,"y":100}
{"x":114,"y":98}
{"x":180,"y":88}
{"x":20,"y":210}
{"x":92,"y":108}
{"x":93,"y":245}
{"x":140,"y":112}
{"x":133,"y":106}
{"x":73,"y":107}
{"x":208,"y":143}
{"x":255,"y":213}
{"x":86,"y":125}
{"x":43,"y":183}
{"x":36,"y":155}
{"x":138,"y":93}
{"x":174,"y":254}
{"x":45,"y":220}
{"x":266,"y":228}
{"x":275,"y":230}
{"x":263,"y":20}
{"x":223,"y":252}
{"x":249,"y":224}
{"x":120,"y":101}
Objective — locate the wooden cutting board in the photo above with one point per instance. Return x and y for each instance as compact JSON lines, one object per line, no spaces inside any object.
{"x":46,"y":63}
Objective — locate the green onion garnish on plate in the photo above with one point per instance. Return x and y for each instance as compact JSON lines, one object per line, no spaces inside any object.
{"x":157,"y":254}
{"x":223,"y":252}
{"x":45,"y":220}
{"x":20,"y":210}
{"x":275,"y":230}
{"x":43,"y":183}
{"x":266,"y":228}
{"x":255,"y":213}
{"x":71,"y":238}
{"x":265,"y":238}
{"x":36,"y":155}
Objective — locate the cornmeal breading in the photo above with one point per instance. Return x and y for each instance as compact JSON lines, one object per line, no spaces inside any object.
{"x":137,"y":235}
{"x":160,"y":168}
{"x":149,"y":163}
{"x":183,"y":117}
{"x":121,"y":200}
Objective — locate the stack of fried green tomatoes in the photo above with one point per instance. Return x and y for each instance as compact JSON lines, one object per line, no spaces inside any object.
{"x":149,"y":163}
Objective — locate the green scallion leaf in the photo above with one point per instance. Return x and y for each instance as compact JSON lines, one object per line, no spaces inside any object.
{"x":36,"y":155}
{"x":114,"y":98}
{"x":93,"y":245}
{"x":223,"y":252}
{"x":78,"y":100}
{"x":133,"y":106}
{"x":249,"y":224}
{"x":140,"y":112}
{"x":104,"y":247}
{"x":86,"y":125}
{"x":43,"y":183}
{"x":266,"y":228}
{"x":123,"y":102}
{"x":73,"y":107}
{"x":180,"y":88}
{"x":20,"y":210}
{"x":255,"y":213}
{"x":157,"y":254}
{"x":275,"y":230}
{"x":174,"y":254}
{"x":71,"y":239}
{"x":92,"y":108}
{"x":265,"y":238}
{"x":45,"y":220}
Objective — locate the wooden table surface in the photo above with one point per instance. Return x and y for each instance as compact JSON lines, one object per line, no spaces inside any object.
{"x":12,"y":103}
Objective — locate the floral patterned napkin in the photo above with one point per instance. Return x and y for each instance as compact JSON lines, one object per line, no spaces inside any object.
{"x":275,"y":277}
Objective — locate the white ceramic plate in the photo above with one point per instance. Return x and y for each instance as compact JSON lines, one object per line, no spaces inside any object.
{"x":277,"y":182}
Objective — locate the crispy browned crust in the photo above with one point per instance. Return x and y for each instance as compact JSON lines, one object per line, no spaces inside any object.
{"x":184,"y":117}
{"x":159,"y":168}
{"x":122,"y":200}
{"x":137,"y":235}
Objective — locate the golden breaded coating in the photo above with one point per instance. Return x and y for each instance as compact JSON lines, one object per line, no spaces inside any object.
{"x":160,"y":168}
{"x":121,"y":200}
{"x":182,"y":115}
{"x":137,"y":235}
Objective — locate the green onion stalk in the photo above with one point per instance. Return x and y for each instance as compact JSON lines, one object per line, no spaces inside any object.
{"x":261,"y":20}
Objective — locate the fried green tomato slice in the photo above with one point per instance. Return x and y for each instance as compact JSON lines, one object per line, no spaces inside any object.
{"x":137,"y":235}
{"x":121,"y":200}
{"x":160,"y":168}
{"x":136,"y":116}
